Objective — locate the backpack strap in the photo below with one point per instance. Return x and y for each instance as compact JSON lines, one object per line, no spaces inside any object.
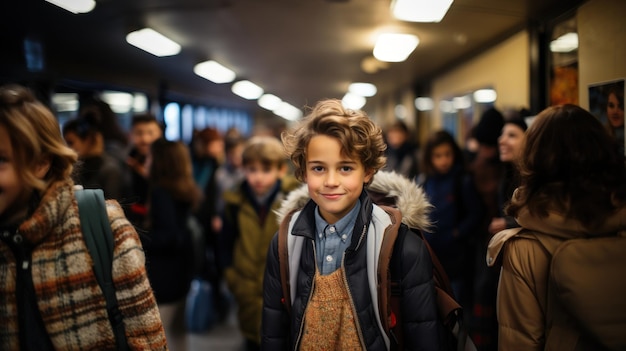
{"x":283,"y":260}
{"x":387,"y":316}
{"x":98,"y":237}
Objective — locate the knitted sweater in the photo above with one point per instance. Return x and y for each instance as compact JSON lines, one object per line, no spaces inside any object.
{"x":69,"y":299}
{"x":329,"y":321}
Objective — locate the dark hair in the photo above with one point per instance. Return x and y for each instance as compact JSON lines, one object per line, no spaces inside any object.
{"x":144,"y":118}
{"x":568,"y":160}
{"x":171,"y":169}
{"x":81,"y":127}
{"x":436,"y":139}
{"x":98,"y":113}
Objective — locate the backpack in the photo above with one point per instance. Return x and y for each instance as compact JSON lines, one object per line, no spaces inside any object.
{"x":98,"y":236}
{"x":449,"y":311}
{"x":582,"y":283}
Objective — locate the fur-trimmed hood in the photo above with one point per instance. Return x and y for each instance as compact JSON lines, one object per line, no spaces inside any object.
{"x":409,"y":198}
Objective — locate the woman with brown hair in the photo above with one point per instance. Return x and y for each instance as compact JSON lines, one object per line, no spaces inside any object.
{"x":572,"y":187}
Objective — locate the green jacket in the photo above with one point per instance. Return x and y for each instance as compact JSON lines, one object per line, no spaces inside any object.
{"x":244,"y":275}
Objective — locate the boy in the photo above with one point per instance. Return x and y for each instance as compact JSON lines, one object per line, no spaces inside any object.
{"x":249,"y":225}
{"x":145,"y":129}
{"x":333,"y":284}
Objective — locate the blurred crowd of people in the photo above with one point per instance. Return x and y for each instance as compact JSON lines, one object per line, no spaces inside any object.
{"x":232,"y":185}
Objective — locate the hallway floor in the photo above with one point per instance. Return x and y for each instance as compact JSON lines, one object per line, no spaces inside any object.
{"x":222,"y":337}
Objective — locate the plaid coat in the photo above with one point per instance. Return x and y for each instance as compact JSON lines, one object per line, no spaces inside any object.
{"x":68,"y":296}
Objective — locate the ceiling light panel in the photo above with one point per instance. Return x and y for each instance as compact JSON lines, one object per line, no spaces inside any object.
{"x":157,"y":44}
{"x":288,"y":111}
{"x":247,"y":90}
{"x":75,"y":6}
{"x":269,"y":102}
{"x":420,"y":10}
{"x":214,"y":72}
{"x":363,"y":89}
{"x":395,"y":47}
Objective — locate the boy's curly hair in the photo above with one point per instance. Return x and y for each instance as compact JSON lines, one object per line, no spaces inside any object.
{"x":359,"y":136}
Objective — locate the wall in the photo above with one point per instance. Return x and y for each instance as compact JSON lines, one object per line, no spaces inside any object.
{"x":506,"y":68}
{"x":602,"y":44}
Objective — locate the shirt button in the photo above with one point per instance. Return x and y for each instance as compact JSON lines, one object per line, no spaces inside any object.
{"x":329,"y":258}
{"x":331,"y":229}
{"x":344,"y":237}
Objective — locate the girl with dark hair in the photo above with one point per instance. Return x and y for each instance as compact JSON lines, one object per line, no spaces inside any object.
{"x":457,"y":210}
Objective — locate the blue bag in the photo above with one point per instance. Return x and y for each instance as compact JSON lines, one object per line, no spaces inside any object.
{"x":200,"y":313}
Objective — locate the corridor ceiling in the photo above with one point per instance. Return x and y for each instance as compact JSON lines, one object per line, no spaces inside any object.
{"x":299,"y":50}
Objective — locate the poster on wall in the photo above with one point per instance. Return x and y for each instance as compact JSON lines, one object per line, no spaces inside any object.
{"x":606,"y":101}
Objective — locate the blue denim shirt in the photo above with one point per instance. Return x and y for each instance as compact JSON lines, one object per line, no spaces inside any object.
{"x":331,"y":240}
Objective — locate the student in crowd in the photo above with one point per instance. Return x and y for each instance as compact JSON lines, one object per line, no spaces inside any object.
{"x":207,"y":154}
{"x":97,"y":169}
{"x":51,"y":299}
{"x":457,"y":212}
{"x":572,"y":186}
{"x":335,"y":305}
{"x":402,"y":153}
{"x":172,"y":197}
{"x":145,"y":129}
{"x":99,"y":113}
{"x":509,"y":146}
{"x":486,"y":169}
{"x":229,"y":174}
{"x":249,"y":225}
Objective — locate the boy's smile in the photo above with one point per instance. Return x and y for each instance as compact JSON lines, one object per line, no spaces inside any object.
{"x":334,"y":181}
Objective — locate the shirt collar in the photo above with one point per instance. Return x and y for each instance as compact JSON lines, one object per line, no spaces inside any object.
{"x":343,"y":226}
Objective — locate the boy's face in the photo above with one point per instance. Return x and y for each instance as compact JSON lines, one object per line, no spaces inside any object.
{"x":143,"y":135}
{"x":335,"y":181}
{"x":11,"y":187}
{"x":261,"y":178}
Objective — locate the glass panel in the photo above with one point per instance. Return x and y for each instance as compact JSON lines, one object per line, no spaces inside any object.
{"x":564,"y":63}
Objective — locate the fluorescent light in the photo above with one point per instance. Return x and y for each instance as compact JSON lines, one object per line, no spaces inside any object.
{"x":120,"y":102}
{"x":153,"y":42}
{"x":269,"y":102}
{"x":424,"y":103}
{"x":247,"y":90}
{"x":395,"y":47}
{"x":353,"y":101}
{"x":140,"y":102}
{"x":565,"y":43}
{"x":485,"y":95}
{"x":214,"y":72}
{"x":400,"y":111}
{"x":446,"y":106}
{"x":420,"y":10}
{"x":75,"y":6}
{"x":363,"y":89}
{"x":288,"y":111}
{"x":462,"y":102}
{"x":64,"y":102}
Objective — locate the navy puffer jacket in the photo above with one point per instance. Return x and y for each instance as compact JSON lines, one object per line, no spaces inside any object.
{"x":281,"y":331}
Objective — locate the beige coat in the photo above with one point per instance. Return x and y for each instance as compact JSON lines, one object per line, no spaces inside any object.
{"x":530,"y":316}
